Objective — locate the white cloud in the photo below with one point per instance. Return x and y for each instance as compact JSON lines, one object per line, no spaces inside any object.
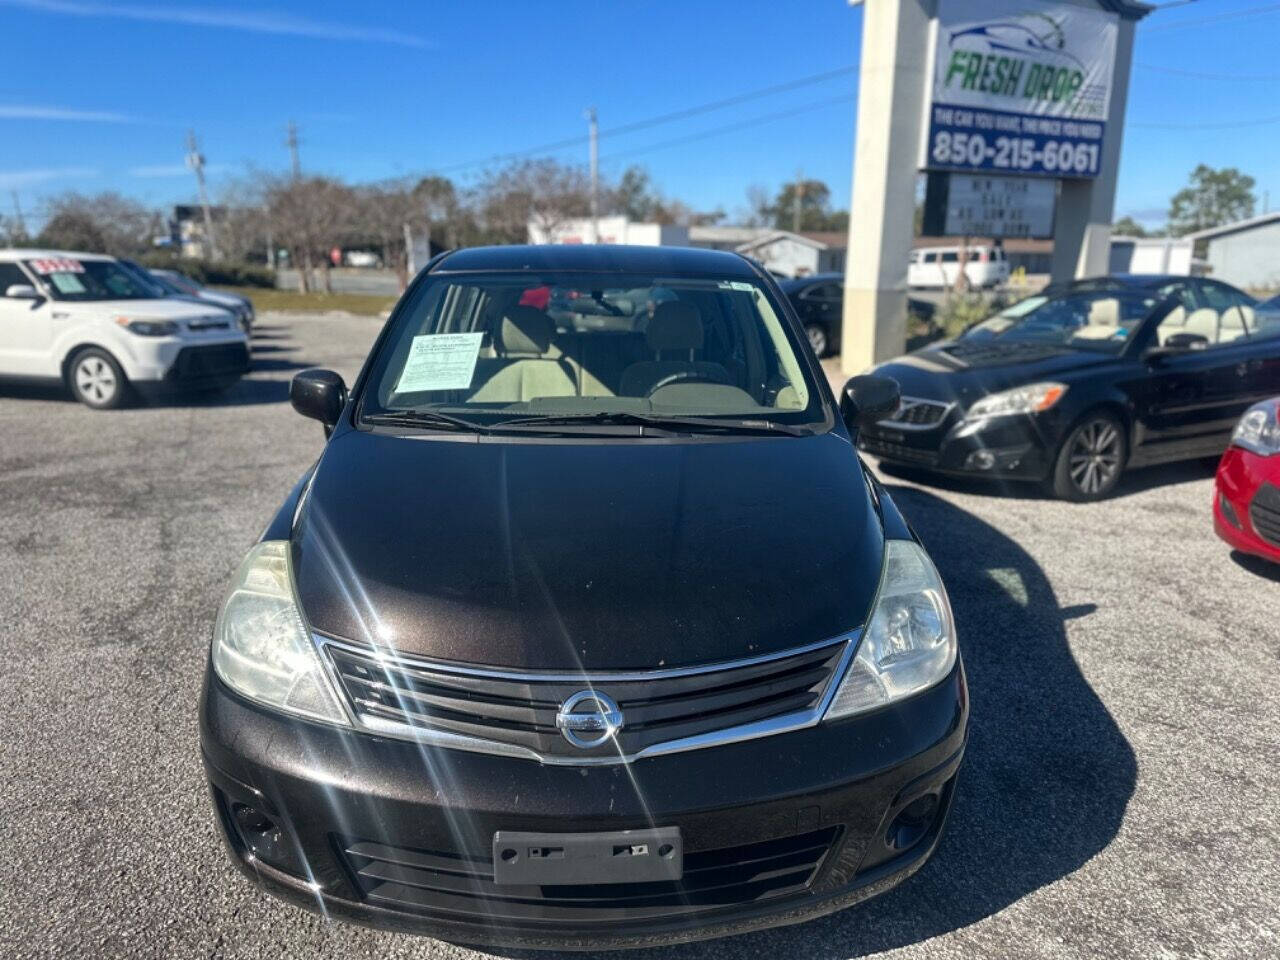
{"x":252,"y":21}
{"x":17,"y":179}
{"x":30,"y":111}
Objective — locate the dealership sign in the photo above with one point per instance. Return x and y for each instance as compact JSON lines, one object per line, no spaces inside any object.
{"x":1020,"y":87}
{"x":983,"y":205}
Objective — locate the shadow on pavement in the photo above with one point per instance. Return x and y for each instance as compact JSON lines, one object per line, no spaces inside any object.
{"x":1256,"y":565}
{"x":1133,"y":481}
{"x":1046,"y":779}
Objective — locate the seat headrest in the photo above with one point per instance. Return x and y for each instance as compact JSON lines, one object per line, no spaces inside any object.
{"x":524,"y":332}
{"x":676,"y":325}
{"x":1104,"y":311}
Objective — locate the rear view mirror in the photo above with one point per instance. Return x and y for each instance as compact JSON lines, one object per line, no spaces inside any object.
{"x":22,"y":291}
{"x":320,"y":395}
{"x":867,"y":400}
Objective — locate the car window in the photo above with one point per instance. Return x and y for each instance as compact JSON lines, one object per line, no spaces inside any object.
{"x":823,"y":291}
{"x":67,"y":278}
{"x":1103,"y":320}
{"x":482,"y":347}
{"x":10,"y":274}
{"x":951,"y":256}
{"x":1224,"y":317}
{"x":1266,"y":319}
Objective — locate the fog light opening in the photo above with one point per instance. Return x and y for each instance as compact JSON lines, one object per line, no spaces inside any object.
{"x":913,"y":822}
{"x":251,"y":821}
{"x":1228,"y":511}
{"x":980,"y":460}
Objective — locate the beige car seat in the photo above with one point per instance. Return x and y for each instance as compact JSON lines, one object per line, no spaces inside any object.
{"x":526,"y":365}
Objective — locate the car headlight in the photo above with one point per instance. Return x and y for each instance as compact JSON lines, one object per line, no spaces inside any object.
{"x":261,"y":647}
{"x":909,"y":643}
{"x":149,"y":328}
{"x":1033,"y":398}
{"x":1259,"y":429}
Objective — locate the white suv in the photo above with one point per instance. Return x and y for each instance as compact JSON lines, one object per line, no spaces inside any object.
{"x":83,"y":320}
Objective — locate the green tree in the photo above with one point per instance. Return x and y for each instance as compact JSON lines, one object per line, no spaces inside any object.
{"x":815,"y":207}
{"x":1127,"y":227}
{"x":635,"y":195}
{"x":1212,"y":198}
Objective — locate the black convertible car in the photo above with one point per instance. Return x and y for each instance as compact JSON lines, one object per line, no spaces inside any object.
{"x":1099,"y":376}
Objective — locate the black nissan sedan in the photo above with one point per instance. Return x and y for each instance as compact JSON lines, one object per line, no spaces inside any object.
{"x":585,"y":637}
{"x":1072,"y":389}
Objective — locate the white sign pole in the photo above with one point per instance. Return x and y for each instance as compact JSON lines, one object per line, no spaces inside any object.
{"x":893,"y":77}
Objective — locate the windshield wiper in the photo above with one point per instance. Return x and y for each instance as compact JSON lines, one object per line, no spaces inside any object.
{"x":423,"y":418}
{"x":658,"y":421}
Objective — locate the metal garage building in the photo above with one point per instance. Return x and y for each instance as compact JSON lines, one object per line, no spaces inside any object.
{"x":1245,"y":253}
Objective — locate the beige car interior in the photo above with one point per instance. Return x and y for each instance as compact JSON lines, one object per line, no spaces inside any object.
{"x":525,"y":357}
{"x":1214,"y":326}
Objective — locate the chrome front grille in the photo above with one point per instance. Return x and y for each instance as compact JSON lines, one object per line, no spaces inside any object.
{"x":917,"y":414}
{"x":516,"y":714}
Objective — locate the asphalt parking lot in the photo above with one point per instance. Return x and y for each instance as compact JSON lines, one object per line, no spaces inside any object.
{"x":1121,"y":794}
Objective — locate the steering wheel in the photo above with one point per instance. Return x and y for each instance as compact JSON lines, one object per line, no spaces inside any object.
{"x":686,"y":376}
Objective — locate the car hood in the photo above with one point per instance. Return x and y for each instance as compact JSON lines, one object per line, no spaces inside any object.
{"x":586,"y":554}
{"x":224,"y":299}
{"x":167,"y":308}
{"x":963,"y":371}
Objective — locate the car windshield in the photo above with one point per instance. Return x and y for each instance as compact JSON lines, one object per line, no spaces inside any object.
{"x":568,"y":348}
{"x":1102,"y":320}
{"x":67,"y":278}
{"x":179,"y":281}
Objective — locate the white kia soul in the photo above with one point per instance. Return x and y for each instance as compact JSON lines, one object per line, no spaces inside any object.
{"x":82,"y":320}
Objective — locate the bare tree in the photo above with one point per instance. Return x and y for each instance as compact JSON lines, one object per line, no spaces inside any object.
{"x":544,"y":193}
{"x":100,"y":223}
{"x":310,"y":215}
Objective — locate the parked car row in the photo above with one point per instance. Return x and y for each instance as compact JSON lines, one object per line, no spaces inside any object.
{"x":107,"y":329}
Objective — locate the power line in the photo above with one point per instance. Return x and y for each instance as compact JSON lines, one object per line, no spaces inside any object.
{"x":1216,"y":18}
{"x":730,"y":127}
{"x":644,"y":124}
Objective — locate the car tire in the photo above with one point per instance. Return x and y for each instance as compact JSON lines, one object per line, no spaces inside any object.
{"x":817,"y":335}
{"x":1091,"y":459}
{"x":96,"y":380}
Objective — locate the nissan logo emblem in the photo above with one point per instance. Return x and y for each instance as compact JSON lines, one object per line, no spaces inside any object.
{"x":588,"y":719}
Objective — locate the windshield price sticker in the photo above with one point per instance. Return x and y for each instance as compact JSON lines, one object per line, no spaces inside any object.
{"x":1018,"y":90}
{"x":440,"y":361}
{"x":57,"y":265}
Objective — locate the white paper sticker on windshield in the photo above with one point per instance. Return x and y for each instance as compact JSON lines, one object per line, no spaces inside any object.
{"x":440,"y":361}
{"x":67,"y":283}
{"x":57,"y":265}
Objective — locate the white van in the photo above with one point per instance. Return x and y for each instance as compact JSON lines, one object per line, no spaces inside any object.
{"x":83,"y":320}
{"x":987,"y":266}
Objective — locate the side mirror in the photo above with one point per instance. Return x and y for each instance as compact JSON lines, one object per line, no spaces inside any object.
{"x":320,"y":395}
{"x":22,"y":291}
{"x":1176,"y":344}
{"x":867,"y":400}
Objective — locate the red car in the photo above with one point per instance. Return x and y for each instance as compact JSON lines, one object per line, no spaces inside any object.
{"x":1246,"y":500}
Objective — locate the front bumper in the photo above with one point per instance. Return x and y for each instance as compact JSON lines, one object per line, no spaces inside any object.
{"x":1015,"y":447}
{"x":397,"y":835}
{"x":199,"y":367}
{"x":1246,"y":502}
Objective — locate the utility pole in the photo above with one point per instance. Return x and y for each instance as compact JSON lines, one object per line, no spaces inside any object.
{"x":797,"y":202}
{"x":595,"y":174}
{"x":19,"y":225}
{"x":291,"y":141}
{"x":195,"y":160}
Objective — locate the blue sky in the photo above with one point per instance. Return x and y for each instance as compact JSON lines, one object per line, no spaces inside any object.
{"x":98,"y":94}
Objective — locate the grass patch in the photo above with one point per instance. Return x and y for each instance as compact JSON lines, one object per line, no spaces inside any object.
{"x":290,"y":300}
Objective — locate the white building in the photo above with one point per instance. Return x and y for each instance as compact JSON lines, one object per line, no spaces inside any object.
{"x":1153,"y":255}
{"x":798,"y":254}
{"x":1245,"y":253}
{"x":616,"y":229}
